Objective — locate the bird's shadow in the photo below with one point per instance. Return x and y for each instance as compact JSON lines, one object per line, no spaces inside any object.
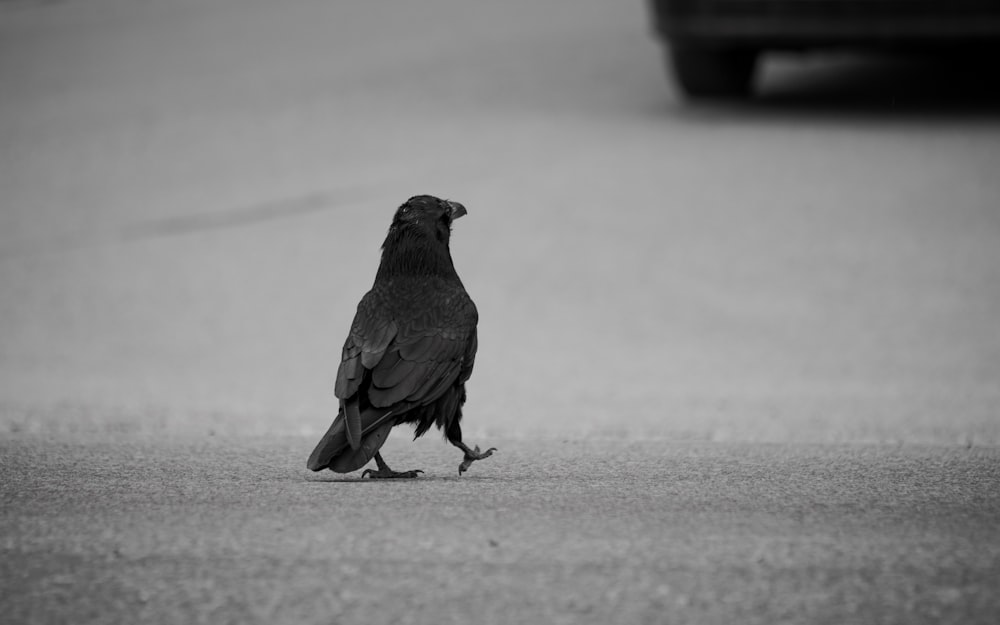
{"x":416,"y":480}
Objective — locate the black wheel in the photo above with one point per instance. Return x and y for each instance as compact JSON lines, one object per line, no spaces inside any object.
{"x":713,"y":72}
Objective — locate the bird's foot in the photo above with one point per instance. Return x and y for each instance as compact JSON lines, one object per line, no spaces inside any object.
{"x":471,"y":455}
{"x":388,"y":474}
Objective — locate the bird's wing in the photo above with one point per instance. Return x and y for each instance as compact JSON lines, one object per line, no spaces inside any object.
{"x":411,"y":360}
{"x":372,"y":330}
{"x":470,"y":357}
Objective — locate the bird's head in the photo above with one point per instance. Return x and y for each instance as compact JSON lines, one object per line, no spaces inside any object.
{"x":417,"y":242}
{"x":428,"y":215}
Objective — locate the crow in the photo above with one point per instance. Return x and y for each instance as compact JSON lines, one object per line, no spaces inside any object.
{"x":410,"y":350}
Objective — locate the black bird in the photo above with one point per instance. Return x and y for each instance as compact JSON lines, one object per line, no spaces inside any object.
{"x":410,"y":349}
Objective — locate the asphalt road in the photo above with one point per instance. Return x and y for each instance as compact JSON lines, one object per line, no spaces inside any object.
{"x":219,"y":530}
{"x":741,"y":360}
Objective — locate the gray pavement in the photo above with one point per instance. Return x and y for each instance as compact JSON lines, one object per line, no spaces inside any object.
{"x":741,"y":361}
{"x":193,"y":196}
{"x":220,"y":530}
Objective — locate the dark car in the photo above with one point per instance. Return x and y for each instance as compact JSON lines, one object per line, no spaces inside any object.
{"x":714,"y":45}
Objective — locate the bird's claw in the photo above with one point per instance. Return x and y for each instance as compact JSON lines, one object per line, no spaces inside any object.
{"x":473,"y":455}
{"x":386,"y":475}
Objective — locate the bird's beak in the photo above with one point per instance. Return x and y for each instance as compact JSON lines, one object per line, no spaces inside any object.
{"x":457,"y":210}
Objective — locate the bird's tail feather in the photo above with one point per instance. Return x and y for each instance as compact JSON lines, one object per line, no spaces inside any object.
{"x":335,"y":452}
{"x":328,"y":446}
{"x":354,"y":459}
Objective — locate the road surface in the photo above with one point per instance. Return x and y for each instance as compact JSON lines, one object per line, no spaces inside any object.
{"x":217,"y":529}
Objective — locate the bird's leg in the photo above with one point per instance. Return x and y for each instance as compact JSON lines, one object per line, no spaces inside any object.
{"x":384,"y":472}
{"x":471,"y":455}
{"x":454,"y":436}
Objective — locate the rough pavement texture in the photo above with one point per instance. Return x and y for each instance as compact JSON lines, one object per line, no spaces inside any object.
{"x":218,"y":530}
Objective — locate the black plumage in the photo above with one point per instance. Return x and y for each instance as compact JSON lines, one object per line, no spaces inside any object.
{"x":411,"y":347}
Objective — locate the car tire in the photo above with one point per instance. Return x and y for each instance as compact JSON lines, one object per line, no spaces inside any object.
{"x":703,"y":72}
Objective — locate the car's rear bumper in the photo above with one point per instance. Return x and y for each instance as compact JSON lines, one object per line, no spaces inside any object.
{"x":799,"y":23}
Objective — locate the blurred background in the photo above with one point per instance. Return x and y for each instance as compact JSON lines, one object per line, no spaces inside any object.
{"x":193,"y":195}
